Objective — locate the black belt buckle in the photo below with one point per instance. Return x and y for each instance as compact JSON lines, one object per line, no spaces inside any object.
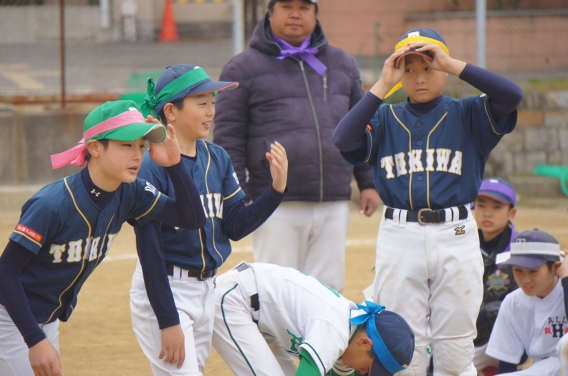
{"x":421,"y":213}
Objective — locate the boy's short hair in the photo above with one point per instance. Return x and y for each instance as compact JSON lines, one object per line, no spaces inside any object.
{"x":499,"y":190}
{"x":532,"y":248}
{"x":272,"y":2}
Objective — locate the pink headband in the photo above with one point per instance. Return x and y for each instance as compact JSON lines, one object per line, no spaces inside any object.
{"x":76,"y":155}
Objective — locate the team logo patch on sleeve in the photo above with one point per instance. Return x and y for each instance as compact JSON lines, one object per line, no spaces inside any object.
{"x":150,"y":188}
{"x":28,"y":232}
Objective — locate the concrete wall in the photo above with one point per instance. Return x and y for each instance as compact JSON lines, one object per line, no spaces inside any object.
{"x":541,"y":136}
{"x":28,"y":140}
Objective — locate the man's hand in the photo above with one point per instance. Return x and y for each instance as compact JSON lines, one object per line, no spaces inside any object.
{"x":369,"y":201}
{"x":278,"y":166}
{"x":44,"y":359}
{"x":165,"y":153}
{"x":173,"y":345}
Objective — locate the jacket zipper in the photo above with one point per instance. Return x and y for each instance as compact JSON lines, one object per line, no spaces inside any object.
{"x":325,"y":87}
{"x":317,"y":127}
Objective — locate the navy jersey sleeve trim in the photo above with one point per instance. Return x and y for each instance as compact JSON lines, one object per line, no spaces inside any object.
{"x":12,"y":295}
{"x":147,"y":212}
{"x":489,"y":117}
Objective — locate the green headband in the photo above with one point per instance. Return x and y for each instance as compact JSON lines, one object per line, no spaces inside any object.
{"x":183,"y":82}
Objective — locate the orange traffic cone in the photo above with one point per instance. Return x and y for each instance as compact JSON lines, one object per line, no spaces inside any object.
{"x":169,"y":30}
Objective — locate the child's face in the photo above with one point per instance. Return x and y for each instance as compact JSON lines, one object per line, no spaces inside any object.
{"x":492,"y":216}
{"x":358,"y":354}
{"x":194,"y":120}
{"x":118,"y":163}
{"x":536,"y":282}
{"x":421,"y":83}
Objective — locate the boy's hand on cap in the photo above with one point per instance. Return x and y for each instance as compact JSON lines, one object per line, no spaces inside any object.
{"x":390,"y":75}
{"x":151,"y":119}
{"x":442,"y":61}
{"x":166,"y":153}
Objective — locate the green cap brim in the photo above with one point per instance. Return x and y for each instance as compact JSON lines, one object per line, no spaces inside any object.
{"x":150,"y":131}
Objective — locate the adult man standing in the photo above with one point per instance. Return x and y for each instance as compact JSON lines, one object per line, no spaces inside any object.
{"x":294,"y":89}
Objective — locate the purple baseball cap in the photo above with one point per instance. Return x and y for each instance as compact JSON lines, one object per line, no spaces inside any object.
{"x":532,"y":248}
{"x":498,"y":189}
{"x":393,"y":339}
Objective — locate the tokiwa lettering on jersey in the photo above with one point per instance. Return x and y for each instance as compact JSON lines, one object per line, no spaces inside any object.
{"x":206,"y":248}
{"x":435,"y":161}
{"x":415,"y":163}
{"x":61,"y":211}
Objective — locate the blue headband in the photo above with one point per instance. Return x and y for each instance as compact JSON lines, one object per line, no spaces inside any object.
{"x":379,"y":348}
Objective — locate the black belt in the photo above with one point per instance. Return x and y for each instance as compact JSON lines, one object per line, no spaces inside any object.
{"x":254,"y":302}
{"x":200,"y":275}
{"x":427,"y":216}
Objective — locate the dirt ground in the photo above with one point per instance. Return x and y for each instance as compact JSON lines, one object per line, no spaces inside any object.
{"x":98,"y":339}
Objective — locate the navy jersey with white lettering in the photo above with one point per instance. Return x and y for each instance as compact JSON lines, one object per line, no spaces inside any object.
{"x":217,"y":183}
{"x":435,"y":161}
{"x":70,"y":236}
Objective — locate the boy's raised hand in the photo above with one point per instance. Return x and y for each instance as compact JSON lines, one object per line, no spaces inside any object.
{"x":442,"y":61}
{"x":391,"y":75}
{"x":278,"y":166}
{"x":165,"y":153}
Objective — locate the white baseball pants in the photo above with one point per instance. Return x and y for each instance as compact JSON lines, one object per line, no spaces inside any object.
{"x":237,"y":338}
{"x":307,"y":236}
{"x":432,"y":276}
{"x":14,"y":360}
{"x":195,"y":302}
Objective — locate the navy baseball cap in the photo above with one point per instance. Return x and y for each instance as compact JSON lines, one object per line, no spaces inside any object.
{"x":392,"y":337}
{"x":499,"y":190}
{"x":203,"y":85}
{"x":420,"y":34}
{"x":532,"y":248}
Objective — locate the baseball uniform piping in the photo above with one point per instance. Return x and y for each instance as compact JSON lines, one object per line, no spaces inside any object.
{"x":409,"y":149}
{"x":229,"y":330}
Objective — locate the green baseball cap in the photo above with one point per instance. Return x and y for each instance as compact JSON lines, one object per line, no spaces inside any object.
{"x":126,"y":121}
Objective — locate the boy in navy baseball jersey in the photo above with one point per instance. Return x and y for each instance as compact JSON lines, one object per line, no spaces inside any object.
{"x":173,"y":311}
{"x":532,"y":319}
{"x":428,"y":156}
{"x":67,"y":228}
{"x":266,"y":315}
{"x":495,"y":208}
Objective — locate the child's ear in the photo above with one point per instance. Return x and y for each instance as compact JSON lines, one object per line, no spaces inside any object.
{"x":169,"y":112}
{"x":365,"y":342}
{"x":93,"y":147}
{"x":512,"y":213}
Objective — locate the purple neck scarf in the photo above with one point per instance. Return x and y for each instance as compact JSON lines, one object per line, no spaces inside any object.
{"x":305,"y":52}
